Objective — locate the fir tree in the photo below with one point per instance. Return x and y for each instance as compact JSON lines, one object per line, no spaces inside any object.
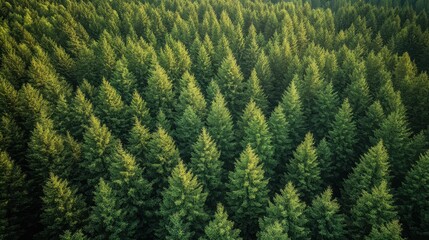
{"x":107,"y":220}
{"x":190,"y":95}
{"x":138,"y":108}
{"x":263,"y":72}
{"x":220,"y":126}
{"x":255,"y":133}
{"x":176,"y":229}
{"x":287,"y":209}
{"x":62,"y":208}
{"x":78,"y":235}
{"x":255,"y":93}
{"x":138,"y":140}
{"x":324,"y":154}
{"x":372,"y":210}
{"x":325,"y":219}
{"x":247,"y":194}
{"x":123,"y":80}
{"x":32,"y":106}
{"x":206,"y":165}
{"x":391,"y":230}
{"x":162,"y":157}
{"x":342,"y":139}
{"x":159,"y":92}
{"x":163,"y":122}
{"x":183,"y":196}
{"x":220,"y":228}
{"x":414,"y":193}
{"x":203,"y":70}
{"x":188,"y":128}
{"x":323,"y":110}
{"x":372,"y":119}
{"x":303,"y":170}
{"x":372,"y":169}
{"x":274,"y":231}
{"x":81,"y":110}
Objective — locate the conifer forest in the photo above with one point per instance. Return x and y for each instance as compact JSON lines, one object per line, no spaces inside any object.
{"x":214,"y":119}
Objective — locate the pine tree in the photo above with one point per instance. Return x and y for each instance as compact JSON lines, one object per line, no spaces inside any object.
{"x":62,"y":208}
{"x":396,"y":136}
{"x":132,"y":190}
{"x":111,"y":110}
{"x":107,"y":220}
{"x":97,"y":149}
{"x":287,"y":209}
{"x":78,"y":235}
{"x":342,"y":139}
{"x":220,"y":228}
{"x":391,"y":230}
{"x":138,"y":140}
{"x":414,"y":193}
{"x":247,"y":194}
{"x":274,"y":231}
{"x":14,"y":200}
{"x":255,"y":133}
{"x":162,"y":157}
{"x":255,"y":93}
{"x":190,"y":95}
{"x":280,"y":130}
{"x":230,"y":80}
{"x":325,"y":219}
{"x":292,"y":107}
{"x":220,"y":126}
{"x":138,"y":108}
{"x":188,"y":128}
{"x":303,"y":170}
{"x":207,"y":166}
{"x":372,"y":169}
{"x":123,"y":80}
{"x":372,"y":210}
{"x":159,"y":92}
{"x":183,"y":196}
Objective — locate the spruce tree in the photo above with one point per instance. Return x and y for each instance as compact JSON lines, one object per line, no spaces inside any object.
{"x":263,"y":72}
{"x":190,"y":95}
{"x":254,"y":92}
{"x":14,"y":200}
{"x":204,"y":69}
{"x":188,"y":127}
{"x":414,"y":193}
{"x":123,"y":80}
{"x":287,"y":209}
{"x":324,"y":154}
{"x":138,"y":108}
{"x":325,"y":219}
{"x":163,"y":122}
{"x":303,"y":169}
{"x":207,"y":166}
{"x":62,"y":208}
{"x":292,"y":107}
{"x":162,"y":157}
{"x":81,"y":110}
{"x":159,"y":92}
{"x":255,"y":133}
{"x":183,"y":196}
{"x":221,"y":127}
{"x":247,"y":194}
{"x":138,"y":140}
{"x":78,"y":235}
{"x":372,"y":210}
{"x":107,"y":220}
{"x":342,"y":140}
{"x":274,"y":231}
{"x":32,"y":106}
{"x":176,"y":229}
{"x":221,"y":228}
{"x":132,"y":190}
{"x":230,"y":80}
{"x":372,"y":169}
{"x":391,"y":230}
{"x":323,"y":110}
{"x":371,"y":121}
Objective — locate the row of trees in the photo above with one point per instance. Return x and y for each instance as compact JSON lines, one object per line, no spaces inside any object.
{"x":213,"y":119}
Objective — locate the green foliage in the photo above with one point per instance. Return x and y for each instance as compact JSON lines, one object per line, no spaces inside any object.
{"x":123,"y":80}
{"x":391,"y":230}
{"x":139,"y":109}
{"x":78,"y":235}
{"x":254,"y":92}
{"x":62,"y":208}
{"x":247,"y":194}
{"x":159,"y":92}
{"x":288,"y":210}
{"x":176,"y":228}
{"x":190,"y":95}
{"x":220,"y":228}
{"x":325,"y":219}
{"x":303,"y":169}
{"x":138,"y":140}
{"x":273,"y":231}
{"x":188,"y":128}
{"x":184,"y":196}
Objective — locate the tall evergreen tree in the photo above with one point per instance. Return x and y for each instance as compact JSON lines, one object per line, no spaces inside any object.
{"x":323,"y":110}
{"x":221,"y":127}
{"x":78,"y":235}
{"x":62,"y":208}
{"x":123,"y":80}
{"x":138,"y":108}
{"x":220,"y":228}
{"x":247,"y":194}
{"x":138,"y":140}
{"x":372,"y":169}
{"x":81,"y":110}
{"x":188,"y":128}
{"x":391,"y":230}
{"x":203,"y":70}
{"x":107,"y":220}
{"x":190,"y":95}
{"x":324,"y":154}
{"x":159,"y":92}
{"x":274,"y":231}
{"x":264,"y":73}
{"x":413,"y":195}
{"x":162,"y":157}
{"x":207,"y":166}
{"x":176,"y":229}
{"x":372,"y":210}
{"x":342,"y":139}
{"x":254,"y":92}
{"x":303,"y":169}
{"x":183,"y":196}
{"x":287,"y":209}
{"x":255,"y":133}
{"x":325,"y":219}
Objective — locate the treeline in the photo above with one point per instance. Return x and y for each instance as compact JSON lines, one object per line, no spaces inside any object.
{"x":213,"y":119}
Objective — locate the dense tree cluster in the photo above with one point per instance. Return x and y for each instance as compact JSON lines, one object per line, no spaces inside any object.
{"x":214,"y":119}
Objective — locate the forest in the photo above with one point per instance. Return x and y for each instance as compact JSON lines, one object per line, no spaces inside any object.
{"x":214,"y":119}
